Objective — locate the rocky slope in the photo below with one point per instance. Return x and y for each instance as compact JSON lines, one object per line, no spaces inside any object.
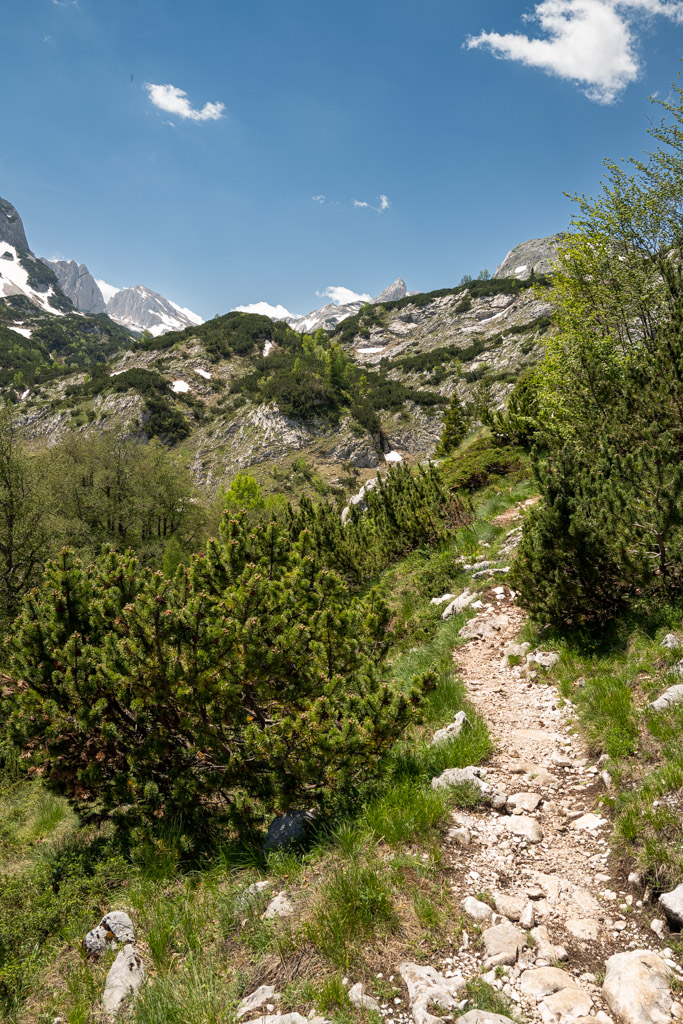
{"x":534,"y":257}
{"x":70,"y":369}
{"x":328,"y":317}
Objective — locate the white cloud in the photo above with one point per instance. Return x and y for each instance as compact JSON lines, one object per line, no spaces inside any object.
{"x":382,"y":204}
{"x":587,"y":41}
{"x":341,"y":296}
{"x":319,"y":199}
{"x":265,"y":309}
{"x":174,"y":101}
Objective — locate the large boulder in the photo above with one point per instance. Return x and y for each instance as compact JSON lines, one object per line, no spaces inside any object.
{"x":637,"y":988}
{"x":672,"y":905}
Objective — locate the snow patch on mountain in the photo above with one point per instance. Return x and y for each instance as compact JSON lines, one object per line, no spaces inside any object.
{"x":14,"y":280}
{"x":108,"y":290}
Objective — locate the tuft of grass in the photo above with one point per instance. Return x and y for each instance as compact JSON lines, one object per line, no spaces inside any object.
{"x":482,"y":996}
{"x":355,"y":905}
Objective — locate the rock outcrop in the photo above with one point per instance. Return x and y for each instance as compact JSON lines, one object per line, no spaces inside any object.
{"x":11,"y":227}
{"x":79,"y":285}
{"x":536,"y":256}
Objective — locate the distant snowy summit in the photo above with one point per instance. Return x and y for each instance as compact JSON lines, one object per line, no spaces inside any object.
{"x":60,"y":286}
{"x":137,"y":308}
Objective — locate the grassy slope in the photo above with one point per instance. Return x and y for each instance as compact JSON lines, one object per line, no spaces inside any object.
{"x":372,"y":891}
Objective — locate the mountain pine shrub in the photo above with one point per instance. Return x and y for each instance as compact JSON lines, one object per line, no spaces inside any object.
{"x":244,"y":684}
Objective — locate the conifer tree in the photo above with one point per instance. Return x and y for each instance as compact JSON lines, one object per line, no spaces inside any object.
{"x":455,"y":423}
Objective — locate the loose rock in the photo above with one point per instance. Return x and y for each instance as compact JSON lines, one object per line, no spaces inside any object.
{"x":544,"y":981}
{"x":526,"y":828}
{"x":452,"y":731}
{"x":669,"y":699}
{"x":264,"y":994}
{"x":672,"y":905}
{"x":426,"y":986}
{"x":503,"y":944}
{"x":359,"y":998}
{"x":279,"y":906}
{"x":476,"y":909}
{"x":636,"y":988}
{"x":567,"y":1005}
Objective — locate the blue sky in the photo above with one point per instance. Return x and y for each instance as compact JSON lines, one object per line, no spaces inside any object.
{"x":471,"y":119}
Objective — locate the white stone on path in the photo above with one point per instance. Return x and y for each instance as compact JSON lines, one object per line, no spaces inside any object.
{"x":637,"y":988}
{"x":565,"y":1006}
{"x":477,"y":910}
{"x":583,"y":928}
{"x":524,"y":802}
{"x":459,"y":603}
{"x":264,"y":994}
{"x":503,"y":944}
{"x":525,"y":828}
{"x":588,"y":823}
{"x":361,"y":1000}
{"x":279,"y":906}
{"x":425,"y":987}
{"x":540,"y":982}
{"x":672,"y":905}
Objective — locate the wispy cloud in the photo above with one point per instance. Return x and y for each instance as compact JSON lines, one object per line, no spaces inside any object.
{"x":266,"y":309}
{"x":360,"y":204}
{"x":65,"y":3}
{"x":590,"y":42}
{"x":382,"y":204}
{"x":341,"y":296}
{"x":173,"y":100}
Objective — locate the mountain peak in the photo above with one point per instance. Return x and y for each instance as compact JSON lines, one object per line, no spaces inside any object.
{"x":11,"y":227}
{"x":79,"y":285}
{"x":397,"y":290}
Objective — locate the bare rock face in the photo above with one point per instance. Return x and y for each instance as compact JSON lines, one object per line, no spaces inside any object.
{"x":79,"y":285}
{"x":533,"y":257}
{"x":11,"y":227}
{"x":637,"y":988}
{"x":397,"y":290}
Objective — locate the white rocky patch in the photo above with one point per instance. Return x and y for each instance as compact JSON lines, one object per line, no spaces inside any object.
{"x":203,"y":373}
{"x":370,"y":351}
{"x":25,"y":331}
{"x":393,"y":457}
{"x":268,"y":348}
{"x":180,"y":387}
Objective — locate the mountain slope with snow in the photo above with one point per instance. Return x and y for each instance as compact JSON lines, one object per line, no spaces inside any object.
{"x":140,"y":309}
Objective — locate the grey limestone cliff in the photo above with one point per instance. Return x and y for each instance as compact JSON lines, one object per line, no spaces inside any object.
{"x":79,"y":285}
{"x":536,"y":256}
{"x":397,"y":290}
{"x":11,"y":227}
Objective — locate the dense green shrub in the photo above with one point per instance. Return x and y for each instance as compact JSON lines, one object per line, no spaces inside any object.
{"x":481,"y":462}
{"x":246,"y":682}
